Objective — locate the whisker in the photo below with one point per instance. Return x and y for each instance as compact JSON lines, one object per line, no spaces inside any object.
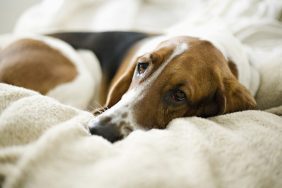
{"x":92,"y":107}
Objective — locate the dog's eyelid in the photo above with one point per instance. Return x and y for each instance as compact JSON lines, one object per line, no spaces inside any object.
{"x":142,"y":60}
{"x":182,"y":86}
{"x":151,"y":58}
{"x":155,"y":58}
{"x":175,"y":97}
{"x":186,"y":88}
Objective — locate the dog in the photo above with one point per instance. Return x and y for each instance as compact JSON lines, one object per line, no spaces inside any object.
{"x":149,"y":79}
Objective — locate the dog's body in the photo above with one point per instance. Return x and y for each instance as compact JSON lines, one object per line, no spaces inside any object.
{"x":154,"y":79}
{"x":35,"y":62}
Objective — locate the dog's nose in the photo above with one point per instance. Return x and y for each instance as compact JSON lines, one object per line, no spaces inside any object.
{"x":107,"y":130}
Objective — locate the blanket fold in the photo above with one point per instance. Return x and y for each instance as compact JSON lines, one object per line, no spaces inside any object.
{"x":241,"y":149}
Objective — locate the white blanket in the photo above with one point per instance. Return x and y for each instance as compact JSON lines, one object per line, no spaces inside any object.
{"x":46,"y":144}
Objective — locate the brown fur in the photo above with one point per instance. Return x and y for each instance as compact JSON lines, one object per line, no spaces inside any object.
{"x":121,"y":81}
{"x":209,"y":81}
{"x":202,"y":73}
{"x":34,"y":65}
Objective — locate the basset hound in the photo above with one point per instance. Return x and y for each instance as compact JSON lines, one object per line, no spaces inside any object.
{"x":149,"y":79}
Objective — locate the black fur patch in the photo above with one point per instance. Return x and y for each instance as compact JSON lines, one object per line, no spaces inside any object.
{"x":109,"y":47}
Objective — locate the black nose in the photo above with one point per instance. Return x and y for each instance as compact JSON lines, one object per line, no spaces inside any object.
{"x":107,"y":130}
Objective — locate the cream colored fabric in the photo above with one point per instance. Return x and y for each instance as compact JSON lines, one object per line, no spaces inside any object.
{"x":144,"y":15}
{"x":46,"y":144}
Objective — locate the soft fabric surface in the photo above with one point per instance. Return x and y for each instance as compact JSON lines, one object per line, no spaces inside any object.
{"x":46,"y":144}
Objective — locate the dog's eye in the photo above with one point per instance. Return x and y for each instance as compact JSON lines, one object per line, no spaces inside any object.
{"x":175,"y":97}
{"x":141,"y":67}
{"x":178,"y":96}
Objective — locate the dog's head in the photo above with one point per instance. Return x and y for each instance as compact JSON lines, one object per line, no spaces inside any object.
{"x":182,"y":77}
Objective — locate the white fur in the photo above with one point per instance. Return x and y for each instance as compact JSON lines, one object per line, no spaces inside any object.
{"x":93,"y":66}
{"x":150,"y":44}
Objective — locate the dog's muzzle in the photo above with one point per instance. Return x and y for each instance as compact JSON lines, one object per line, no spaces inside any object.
{"x":108,"y":130}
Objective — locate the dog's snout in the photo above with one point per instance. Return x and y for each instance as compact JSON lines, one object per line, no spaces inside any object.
{"x":106,"y":129}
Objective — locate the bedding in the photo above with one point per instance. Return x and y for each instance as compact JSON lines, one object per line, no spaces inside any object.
{"x":44,"y":143}
{"x":47,"y":144}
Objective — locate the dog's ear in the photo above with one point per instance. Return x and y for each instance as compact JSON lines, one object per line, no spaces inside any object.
{"x":233,"y":68}
{"x":232,"y":96}
{"x":119,"y":87}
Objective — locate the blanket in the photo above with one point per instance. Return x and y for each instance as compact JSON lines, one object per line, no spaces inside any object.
{"x":44,"y":143}
{"x":47,"y":144}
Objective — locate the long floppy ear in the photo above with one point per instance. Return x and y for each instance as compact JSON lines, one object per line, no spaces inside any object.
{"x":233,"y":68}
{"x":119,"y":87}
{"x":233,"y":96}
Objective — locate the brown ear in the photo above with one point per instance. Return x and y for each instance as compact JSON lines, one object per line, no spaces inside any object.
{"x":119,"y":87}
{"x":232,"y":97}
{"x":232,"y":66}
